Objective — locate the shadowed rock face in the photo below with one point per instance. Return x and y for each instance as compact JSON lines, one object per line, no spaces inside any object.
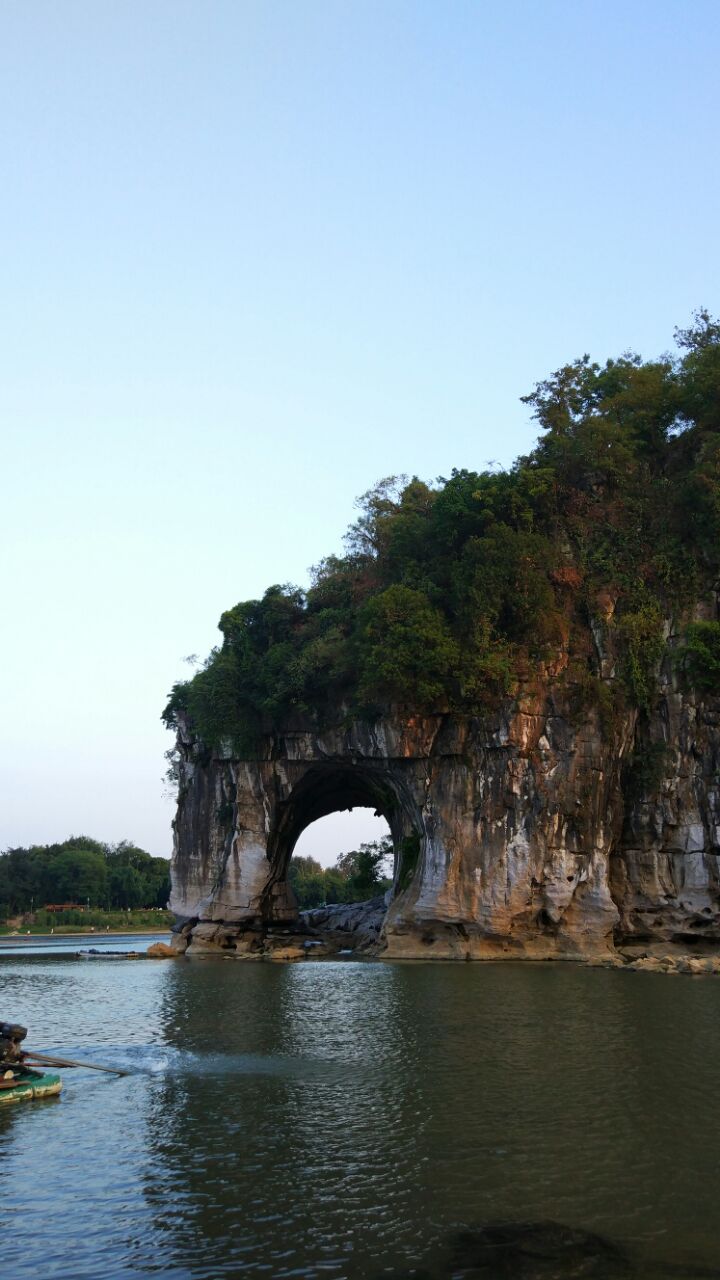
{"x":521,"y":834}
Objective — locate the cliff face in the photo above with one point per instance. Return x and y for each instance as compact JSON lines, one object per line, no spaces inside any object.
{"x":665,"y":871}
{"x":534,"y":832}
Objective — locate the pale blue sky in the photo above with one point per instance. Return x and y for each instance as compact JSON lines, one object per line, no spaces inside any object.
{"x":256,"y":256}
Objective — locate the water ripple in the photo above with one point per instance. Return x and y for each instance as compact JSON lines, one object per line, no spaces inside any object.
{"x":343,"y":1121}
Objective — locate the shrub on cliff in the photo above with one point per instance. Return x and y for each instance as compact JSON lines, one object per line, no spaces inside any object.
{"x":448,"y":592}
{"x":699,"y":657}
{"x":408,"y":650}
{"x":643,"y":644}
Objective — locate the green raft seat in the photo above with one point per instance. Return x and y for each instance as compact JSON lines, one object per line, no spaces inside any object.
{"x":28,"y":1084}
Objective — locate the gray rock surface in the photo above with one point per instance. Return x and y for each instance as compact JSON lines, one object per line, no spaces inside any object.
{"x":355,"y":923}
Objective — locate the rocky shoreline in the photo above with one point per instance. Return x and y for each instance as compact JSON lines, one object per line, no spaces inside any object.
{"x":326,"y":933}
{"x":321,"y":933}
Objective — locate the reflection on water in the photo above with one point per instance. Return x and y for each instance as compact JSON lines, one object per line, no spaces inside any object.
{"x":70,"y":944}
{"x":361,"y":1120}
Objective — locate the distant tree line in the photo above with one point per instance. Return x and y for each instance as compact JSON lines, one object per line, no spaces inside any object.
{"x":82,"y":871}
{"x":356,"y":876}
{"x":122,"y":877}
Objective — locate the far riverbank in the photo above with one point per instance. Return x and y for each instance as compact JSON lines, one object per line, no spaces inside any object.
{"x":69,"y":932}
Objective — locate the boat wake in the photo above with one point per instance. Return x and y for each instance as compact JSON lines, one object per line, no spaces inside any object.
{"x":166,"y":1060}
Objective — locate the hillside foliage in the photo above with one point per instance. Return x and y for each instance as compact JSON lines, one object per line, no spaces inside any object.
{"x":448,"y":593}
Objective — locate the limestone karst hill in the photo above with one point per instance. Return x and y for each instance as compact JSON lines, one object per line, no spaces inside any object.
{"x":520,"y":670}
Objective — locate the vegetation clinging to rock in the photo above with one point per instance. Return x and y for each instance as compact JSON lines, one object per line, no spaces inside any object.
{"x":447,"y":592}
{"x":699,"y":656}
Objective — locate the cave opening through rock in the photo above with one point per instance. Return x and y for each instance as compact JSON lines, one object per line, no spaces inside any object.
{"x":340,"y":832}
{"x":347,"y":856}
{"x":325,"y":791}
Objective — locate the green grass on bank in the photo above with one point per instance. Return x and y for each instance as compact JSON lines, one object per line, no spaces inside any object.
{"x":84,"y":921}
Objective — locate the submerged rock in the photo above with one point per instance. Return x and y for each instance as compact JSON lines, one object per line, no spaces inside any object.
{"x":538,"y":1251}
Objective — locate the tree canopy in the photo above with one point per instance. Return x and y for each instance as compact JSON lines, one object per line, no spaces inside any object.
{"x":356,"y":876}
{"x":448,"y":591}
{"x":82,"y":870}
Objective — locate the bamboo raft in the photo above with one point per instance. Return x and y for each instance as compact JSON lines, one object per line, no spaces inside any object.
{"x":96,"y":953}
{"x":20,"y":1081}
{"x":23,"y":1084}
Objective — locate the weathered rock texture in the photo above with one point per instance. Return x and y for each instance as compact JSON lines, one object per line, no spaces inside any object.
{"x":532,"y":832}
{"x":665,"y":872}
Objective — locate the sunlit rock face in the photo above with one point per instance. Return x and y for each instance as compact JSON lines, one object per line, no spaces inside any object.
{"x":521,"y":834}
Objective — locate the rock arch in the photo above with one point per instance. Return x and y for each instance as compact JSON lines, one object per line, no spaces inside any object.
{"x":513,"y":832}
{"x":501,"y":859}
{"x":238,"y":821}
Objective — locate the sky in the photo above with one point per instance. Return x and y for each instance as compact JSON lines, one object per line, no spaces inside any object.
{"x":257,"y":255}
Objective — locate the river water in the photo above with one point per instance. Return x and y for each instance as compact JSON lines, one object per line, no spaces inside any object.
{"x":347,"y":1119}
